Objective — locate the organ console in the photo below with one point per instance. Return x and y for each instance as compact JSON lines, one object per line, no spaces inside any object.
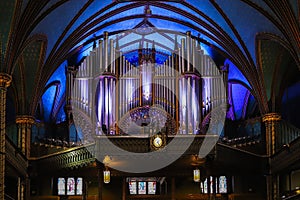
{"x":121,"y":98}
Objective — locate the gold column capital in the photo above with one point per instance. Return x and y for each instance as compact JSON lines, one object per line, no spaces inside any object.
{"x":271,"y":117}
{"x":25,"y":119}
{"x":224,"y":68}
{"x":5,"y":80}
{"x":71,"y":69}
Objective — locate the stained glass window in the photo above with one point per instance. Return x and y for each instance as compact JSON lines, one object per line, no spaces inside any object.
{"x":211,"y":184}
{"x":61,"y":186}
{"x":71,"y":186}
{"x":142,"y":188}
{"x":79,"y":186}
{"x":216,"y":184}
{"x":205,"y":186}
{"x":132,"y":187}
{"x":151,"y":187}
{"x":222,"y":184}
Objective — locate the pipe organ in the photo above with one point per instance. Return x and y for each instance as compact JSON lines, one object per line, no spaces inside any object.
{"x":173,"y":97}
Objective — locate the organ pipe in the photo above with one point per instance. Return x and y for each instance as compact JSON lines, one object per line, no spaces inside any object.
{"x":187,"y":79}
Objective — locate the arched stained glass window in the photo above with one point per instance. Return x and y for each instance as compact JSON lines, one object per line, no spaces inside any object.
{"x":71,"y":186}
{"x":79,"y":184}
{"x":211,"y":184}
{"x":223,"y":184}
{"x":216,"y":184}
{"x":205,"y":186}
{"x":61,"y":183}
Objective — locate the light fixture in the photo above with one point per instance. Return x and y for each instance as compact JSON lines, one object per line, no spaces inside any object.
{"x":196,"y":175}
{"x":106,"y":175}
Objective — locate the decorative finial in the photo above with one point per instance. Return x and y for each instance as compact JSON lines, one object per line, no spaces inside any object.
{"x":147,"y":11}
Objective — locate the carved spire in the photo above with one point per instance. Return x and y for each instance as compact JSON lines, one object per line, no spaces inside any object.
{"x":153,"y":52}
{"x":176,"y":43}
{"x":117,"y":43}
{"x":147,"y":11}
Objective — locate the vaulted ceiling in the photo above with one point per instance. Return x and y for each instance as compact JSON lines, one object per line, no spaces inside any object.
{"x":260,"y":38}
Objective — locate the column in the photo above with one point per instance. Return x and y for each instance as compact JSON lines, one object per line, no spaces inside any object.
{"x":117,"y":85}
{"x":20,"y":189}
{"x":5,"y":80}
{"x":271,"y":121}
{"x":224,"y":70}
{"x":275,"y":185}
{"x":124,"y":189}
{"x":100,"y":180}
{"x":100,"y":183}
{"x":70,"y":90}
{"x":24,"y":124}
{"x":176,"y":69}
{"x":173,"y":189}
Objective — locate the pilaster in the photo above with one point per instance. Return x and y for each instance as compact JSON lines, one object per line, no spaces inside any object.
{"x":271,"y":121}
{"x":24,"y":124}
{"x":5,"y":80}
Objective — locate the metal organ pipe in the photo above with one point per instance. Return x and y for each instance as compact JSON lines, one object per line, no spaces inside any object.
{"x":106,"y":103}
{"x":194,"y":56}
{"x":90,"y":83}
{"x":179,"y":74}
{"x":188,"y":50}
{"x":188,"y":104}
{"x":182,"y":56}
{"x":105,"y":37}
{"x":102,"y":100}
{"x":100,"y":56}
{"x":123,"y":85}
{"x":112,"y":57}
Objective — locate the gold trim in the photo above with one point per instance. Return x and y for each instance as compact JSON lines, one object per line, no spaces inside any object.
{"x":5,"y":80}
{"x":271,"y":117}
{"x":25,"y":119}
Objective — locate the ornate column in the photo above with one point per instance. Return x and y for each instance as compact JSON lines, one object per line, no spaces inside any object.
{"x":21,"y":189}
{"x":24,"y":124}
{"x":271,"y":121}
{"x":225,"y":71}
{"x":70,"y":73}
{"x":5,"y":80}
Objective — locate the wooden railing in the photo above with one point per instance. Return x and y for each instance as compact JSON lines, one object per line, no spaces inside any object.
{"x":286,"y":134}
{"x":15,"y":157}
{"x":85,"y":155}
{"x":286,"y":156}
{"x":70,"y":158}
{"x":7,"y":197}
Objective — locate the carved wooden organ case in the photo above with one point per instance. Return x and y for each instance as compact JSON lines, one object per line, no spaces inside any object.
{"x":112,"y":96}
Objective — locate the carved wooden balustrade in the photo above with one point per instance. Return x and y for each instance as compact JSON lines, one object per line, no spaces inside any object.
{"x":187,"y":144}
{"x":15,"y":157}
{"x":68,"y":159}
{"x":286,"y":134}
{"x":287,"y":156}
{"x":85,"y":155}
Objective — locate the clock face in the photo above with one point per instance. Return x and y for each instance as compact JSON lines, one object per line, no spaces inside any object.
{"x":157,"y":142}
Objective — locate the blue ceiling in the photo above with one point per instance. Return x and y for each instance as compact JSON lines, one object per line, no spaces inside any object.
{"x":247,"y":24}
{"x":228,"y":33}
